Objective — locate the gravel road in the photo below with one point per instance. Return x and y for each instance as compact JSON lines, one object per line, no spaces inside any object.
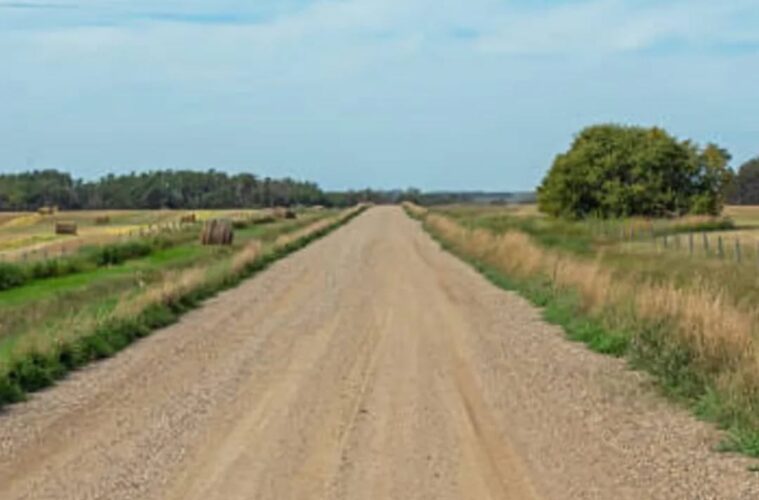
{"x":370,"y":365}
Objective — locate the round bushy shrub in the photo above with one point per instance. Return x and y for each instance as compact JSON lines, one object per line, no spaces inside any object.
{"x":619,"y":171}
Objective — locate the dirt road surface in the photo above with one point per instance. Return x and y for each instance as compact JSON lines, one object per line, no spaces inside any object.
{"x":370,"y":365}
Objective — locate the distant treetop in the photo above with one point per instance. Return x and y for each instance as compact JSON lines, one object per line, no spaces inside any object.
{"x":744,"y":189}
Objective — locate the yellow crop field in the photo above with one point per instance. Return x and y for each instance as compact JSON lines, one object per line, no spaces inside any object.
{"x":22,"y":234}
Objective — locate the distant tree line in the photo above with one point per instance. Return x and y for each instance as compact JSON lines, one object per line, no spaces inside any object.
{"x":179,"y":189}
{"x":187,"y":189}
{"x":620,"y":171}
{"x":744,"y":190}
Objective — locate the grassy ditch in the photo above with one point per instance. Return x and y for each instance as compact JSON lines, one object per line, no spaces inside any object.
{"x":699,"y":345}
{"x":40,"y":358}
{"x":14,"y":275}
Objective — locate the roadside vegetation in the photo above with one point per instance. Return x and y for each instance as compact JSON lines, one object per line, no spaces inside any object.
{"x":53,"y":324}
{"x":629,"y":249}
{"x":690,"y":320}
{"x":120,"y":241}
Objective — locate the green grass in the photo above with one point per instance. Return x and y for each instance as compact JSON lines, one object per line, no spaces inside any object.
{"x":32,"y":305}
{"x":559,"y":306}
{"x":88,"y":258}
{"x":638,"y":260}
{"x":162,"y":256}
{"x":580,"y":237}
{"x":41,"y":289}
{"x":35,"y":369}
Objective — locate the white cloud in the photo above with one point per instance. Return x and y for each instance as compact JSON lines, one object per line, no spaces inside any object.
{"x":607,"y":26}
{"x":337,"y":89}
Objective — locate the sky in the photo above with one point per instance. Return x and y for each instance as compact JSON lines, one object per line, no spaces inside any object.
{"x":435,"y":94}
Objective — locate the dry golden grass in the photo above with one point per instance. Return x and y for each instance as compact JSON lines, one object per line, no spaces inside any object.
{"x":415,"y":210}
{"x":29,"y":234}
{"x":720,"y":336}
{"x":314,"y":227}
{"x":8,"y":217}
{"x":743,"y":214}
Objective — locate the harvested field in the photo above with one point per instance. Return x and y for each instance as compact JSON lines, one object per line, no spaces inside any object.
{"x":30,"y":235}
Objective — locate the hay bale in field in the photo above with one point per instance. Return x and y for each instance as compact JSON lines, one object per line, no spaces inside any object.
{"x":47,"y":210}
{"x":217,"y":232}
{"x":102,"y":220}
{"x":65,"y":228}
{"x":188,"y":219}
{"x":284,"y":213}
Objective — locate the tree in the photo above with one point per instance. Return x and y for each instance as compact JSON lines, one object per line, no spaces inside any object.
{"x":153,"y":190}
{"x":744,"y":190}
{"x":617,"y":171}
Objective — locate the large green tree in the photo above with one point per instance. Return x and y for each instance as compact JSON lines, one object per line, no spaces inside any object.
{"x":616,"y":171}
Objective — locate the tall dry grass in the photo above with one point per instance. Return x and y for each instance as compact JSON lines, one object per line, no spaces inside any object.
{"x":415,"y":210}
{"x":716,"y":338}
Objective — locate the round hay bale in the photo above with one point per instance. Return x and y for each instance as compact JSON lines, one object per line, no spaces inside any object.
{"x":65,"y":227}
{"x":47,"y":210}
{"x":188,"y":219}
{"x":102,"y":220}
{"x":217,"y":232}
{"x":284,"y":213}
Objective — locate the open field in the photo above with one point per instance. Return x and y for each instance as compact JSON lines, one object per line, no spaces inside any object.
{"x":744,"y":216}
{"x":49,"y":313}
{"x":31,"y":235}
{"x":333,"y":375}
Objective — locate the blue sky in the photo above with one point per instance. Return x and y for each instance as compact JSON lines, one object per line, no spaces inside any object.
{"x":456,"y":94}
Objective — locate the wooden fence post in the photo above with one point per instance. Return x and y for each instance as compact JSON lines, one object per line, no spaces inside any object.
{"x":720,"y":247}
{"x":705,"y":239}
{"x":690,"y":244}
